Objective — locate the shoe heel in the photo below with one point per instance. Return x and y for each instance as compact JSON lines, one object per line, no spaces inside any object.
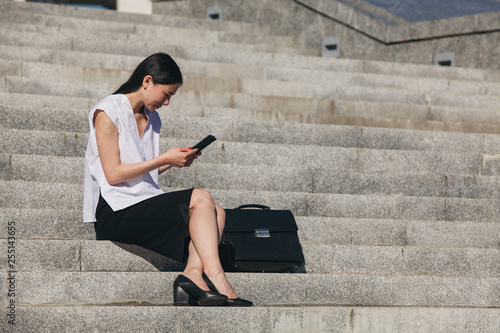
{"x":181,"y":298}
{"x":186,"y":292}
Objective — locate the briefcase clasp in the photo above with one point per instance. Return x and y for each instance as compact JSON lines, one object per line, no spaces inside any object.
{"x":262,"y":233}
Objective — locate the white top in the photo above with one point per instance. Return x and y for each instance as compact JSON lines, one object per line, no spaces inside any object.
{"x":133,"y":149}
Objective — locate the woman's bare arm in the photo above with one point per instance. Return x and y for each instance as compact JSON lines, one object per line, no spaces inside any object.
{"x":109,"y":153}
{"x":163,"y":168}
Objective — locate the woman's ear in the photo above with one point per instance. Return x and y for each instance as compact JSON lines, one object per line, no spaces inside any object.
{"x":148,"y":80}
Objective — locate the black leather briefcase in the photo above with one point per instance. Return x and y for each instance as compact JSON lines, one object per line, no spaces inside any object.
{"x":259,"y":239}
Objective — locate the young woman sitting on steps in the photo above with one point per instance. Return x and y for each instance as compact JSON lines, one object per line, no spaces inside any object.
{"x":122,"y":196}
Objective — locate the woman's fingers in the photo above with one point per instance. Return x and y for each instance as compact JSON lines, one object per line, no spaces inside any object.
{"x":182,"y":156}
{"x":192,"y":154}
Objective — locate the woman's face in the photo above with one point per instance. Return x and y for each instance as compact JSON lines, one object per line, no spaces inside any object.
{"x":157,"y":95}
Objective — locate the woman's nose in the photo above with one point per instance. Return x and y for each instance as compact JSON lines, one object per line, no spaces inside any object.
{"x":166,"y":102}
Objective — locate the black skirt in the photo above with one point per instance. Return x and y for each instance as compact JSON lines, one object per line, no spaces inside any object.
{"x":159,"y":224}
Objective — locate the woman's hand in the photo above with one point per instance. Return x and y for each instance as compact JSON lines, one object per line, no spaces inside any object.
{"x":109,"y":154}
{"x":180,"y":157}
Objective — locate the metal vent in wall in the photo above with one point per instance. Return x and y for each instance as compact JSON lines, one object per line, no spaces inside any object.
{"x":331,"y":47}
{"x":214,"y":13}
{"x":445,"y":59}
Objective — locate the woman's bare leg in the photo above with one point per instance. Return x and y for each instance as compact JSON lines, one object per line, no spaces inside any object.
{"x":194,"y":266}
{"x":206,"y":224}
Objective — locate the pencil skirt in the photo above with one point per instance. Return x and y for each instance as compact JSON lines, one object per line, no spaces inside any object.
{"x":159,"y":224}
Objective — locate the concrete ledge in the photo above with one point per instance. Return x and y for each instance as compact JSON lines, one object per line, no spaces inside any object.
{"x":119,"y":17}
{"x":105,"y":256}
{"x":265,"y":95}
{"x":38,"y":288}
{"x":372,"y":115}
{"x":269,"y":319}
{"x":388,"y":232}
{"x":193,"y":70}
{"x":48,"y":224}
{"x":127,"y":62}
{"x":37,"y":117}
{"x":230,"y":176}
{"x":67,"y":224}
{"x":229,"y":152}
{"x":69,"y":196}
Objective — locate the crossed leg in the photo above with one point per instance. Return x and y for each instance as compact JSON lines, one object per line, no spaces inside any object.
{"x":206,"y":223}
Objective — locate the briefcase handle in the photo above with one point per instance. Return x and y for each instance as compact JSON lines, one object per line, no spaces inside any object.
{"x":253,"y":206}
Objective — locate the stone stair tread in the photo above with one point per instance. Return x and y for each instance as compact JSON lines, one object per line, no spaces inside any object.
{"x":263,"y":289}
{"x":138,"y":33}
{"x":28,"y":115}
{"x":102,"y":256}
{"x":47,"y":101}
{"x":69,"y":196}
{"x":74,"y":119}
{"x":111,"y":17}
{"x":264,"y":154}
{"x":372,"y":114}
{"x":81,"y":73}
{"x":377,"y":80}
{"x":465,"y":122}
{"x":393,"y":232}
{"x":57,"y":224}
{"x":121,"y":43}
{"x":312,"y":179}
{"x":147,"y":318}
{"x":263,"y":88}
{"x":420,"y":72}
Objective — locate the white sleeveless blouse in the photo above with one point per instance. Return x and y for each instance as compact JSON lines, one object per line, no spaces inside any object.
{"x":133,"y":149}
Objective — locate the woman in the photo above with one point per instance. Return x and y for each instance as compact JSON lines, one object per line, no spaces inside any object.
{"x":122,"y":196}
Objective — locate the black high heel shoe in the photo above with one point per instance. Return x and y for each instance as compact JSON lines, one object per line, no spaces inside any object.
{"x":230,"y":301}
{"x":186,"y":292}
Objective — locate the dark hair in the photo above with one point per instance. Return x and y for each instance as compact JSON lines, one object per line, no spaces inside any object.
{"x":160,"y":66}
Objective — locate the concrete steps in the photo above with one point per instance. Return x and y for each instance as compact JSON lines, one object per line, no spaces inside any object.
{"x":68,"y":196}
{"x":352,"y":97}
{"x":146,"y":37}
{"x":66,"y":16}
{"x":425,"y":111}
{"x":226,"y":153}
{"x":69,"y":16}
{"x":30,"y":116}
{"x":233,"y":97}
{"x":148,"y":318}
{"x":145,"y":34}
{"x":268,"y":78}
{"x":293,"y":114}
{"x":231,"y":176}
{"x":265,"y":60}
{"x":274,"y":75}
{"x":28,"y":68}
{"x":154,"y":288}
{"x":399,"y":228}
{"x":231,"y":92}
{"x":45,"y":223}
{"x":406,"y":110}
{"x":99,"y":256}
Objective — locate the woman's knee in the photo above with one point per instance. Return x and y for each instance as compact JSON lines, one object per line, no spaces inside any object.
{"x":201,"y":197}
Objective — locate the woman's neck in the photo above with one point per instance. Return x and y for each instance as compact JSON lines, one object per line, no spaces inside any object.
{"x":136,"y":102}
